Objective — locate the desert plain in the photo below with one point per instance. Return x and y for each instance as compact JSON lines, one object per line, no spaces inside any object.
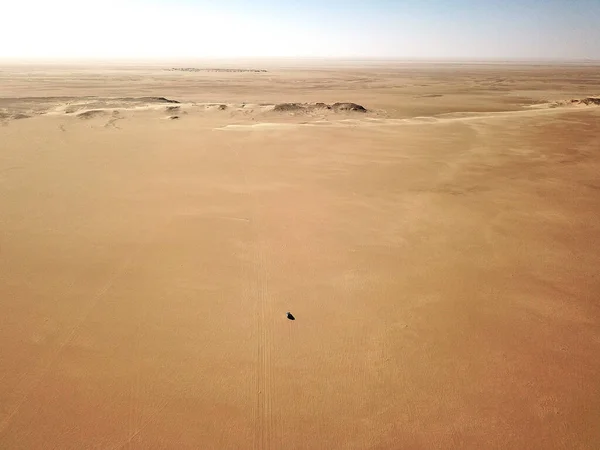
{"x":440,"y":251}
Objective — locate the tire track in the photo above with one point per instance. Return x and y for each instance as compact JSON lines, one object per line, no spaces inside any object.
{"x":135,"y":408}
{"x":259,"y":289}
{"x":262,"y":395}
{"x":266,"y":341}
{"x":53,"y":358}
{"x":134,"y":434}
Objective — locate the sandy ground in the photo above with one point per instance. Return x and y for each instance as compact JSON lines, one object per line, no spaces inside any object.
{"x":440,"y":253}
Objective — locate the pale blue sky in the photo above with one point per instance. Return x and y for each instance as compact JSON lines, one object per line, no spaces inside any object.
{"x":426,"y":29}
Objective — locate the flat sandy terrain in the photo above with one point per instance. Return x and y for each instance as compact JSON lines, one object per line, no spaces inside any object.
{"x":440,"y":252}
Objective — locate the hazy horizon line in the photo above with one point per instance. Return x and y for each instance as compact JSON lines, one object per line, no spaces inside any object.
{"x":157,"y":59}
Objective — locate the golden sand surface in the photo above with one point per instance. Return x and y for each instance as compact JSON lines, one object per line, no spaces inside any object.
{"x":440,"y":253}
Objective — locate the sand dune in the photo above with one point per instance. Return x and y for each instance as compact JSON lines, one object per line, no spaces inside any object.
{"x":438,"y":252}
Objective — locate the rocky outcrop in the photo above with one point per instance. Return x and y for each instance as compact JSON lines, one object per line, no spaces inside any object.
{"x":348,"y":107}
{"x":586,"y":101}
{"x":289,"y":107}
{"x":309,"y":107}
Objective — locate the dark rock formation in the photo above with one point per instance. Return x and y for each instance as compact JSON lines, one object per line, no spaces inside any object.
{"x":307,"y":107}
{"x":288,"y":107}
{"x":158,"y":100}
{"x":348,"y":107}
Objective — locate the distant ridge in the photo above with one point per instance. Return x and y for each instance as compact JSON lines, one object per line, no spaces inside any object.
{"x":194,"y":69}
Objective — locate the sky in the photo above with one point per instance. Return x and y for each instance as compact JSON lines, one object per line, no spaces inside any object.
{"x":403,"y":29}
